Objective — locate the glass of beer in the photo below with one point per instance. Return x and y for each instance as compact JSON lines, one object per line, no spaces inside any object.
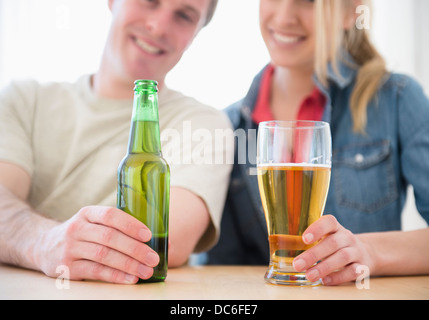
{"x":294,"y":170}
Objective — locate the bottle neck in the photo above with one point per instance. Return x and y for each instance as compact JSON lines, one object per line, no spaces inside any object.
{"x":145,"y":133}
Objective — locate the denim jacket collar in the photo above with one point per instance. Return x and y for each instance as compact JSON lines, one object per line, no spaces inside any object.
{"x":346,"y":73}
{"x":347,"y":70}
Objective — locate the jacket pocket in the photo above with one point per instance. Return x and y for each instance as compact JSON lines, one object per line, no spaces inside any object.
{"x":364,"y":177}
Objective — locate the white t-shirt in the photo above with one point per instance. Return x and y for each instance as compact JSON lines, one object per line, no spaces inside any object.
{"x":71,"y":143}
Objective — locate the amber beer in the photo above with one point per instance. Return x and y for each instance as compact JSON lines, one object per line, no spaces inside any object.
{"x":293,"y":197}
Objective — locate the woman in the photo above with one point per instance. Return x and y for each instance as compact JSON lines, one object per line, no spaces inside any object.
{"x":324,"y":68}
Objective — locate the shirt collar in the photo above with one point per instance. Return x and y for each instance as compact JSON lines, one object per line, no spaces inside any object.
{"x":347,"y":70}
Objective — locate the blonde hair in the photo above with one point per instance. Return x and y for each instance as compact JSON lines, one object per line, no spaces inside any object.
{"x":332,"y":38}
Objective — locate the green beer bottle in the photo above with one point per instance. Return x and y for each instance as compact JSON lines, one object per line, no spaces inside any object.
{"x":144,"y":176}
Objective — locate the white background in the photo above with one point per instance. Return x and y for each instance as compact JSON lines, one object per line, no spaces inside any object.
{"x":56,"y":40}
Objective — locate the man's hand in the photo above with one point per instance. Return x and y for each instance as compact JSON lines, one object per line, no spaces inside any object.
{"x":98,"y":243}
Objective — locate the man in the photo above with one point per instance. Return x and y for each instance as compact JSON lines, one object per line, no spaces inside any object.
{"x":60,"y":145}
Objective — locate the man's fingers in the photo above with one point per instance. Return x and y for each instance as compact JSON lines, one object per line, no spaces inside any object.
{"x":111,"y":238}
{"x":112,"y":258}
{"x":118,"y":219}
{"x":89,"y":270}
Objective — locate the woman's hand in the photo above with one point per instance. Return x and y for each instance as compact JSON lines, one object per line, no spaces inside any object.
{"x":338,"y":251}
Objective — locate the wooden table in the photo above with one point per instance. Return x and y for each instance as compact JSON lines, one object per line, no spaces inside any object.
{"x":204,"y":283}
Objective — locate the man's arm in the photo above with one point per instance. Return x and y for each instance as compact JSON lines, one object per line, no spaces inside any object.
{"x":98,"y":243}
{"x":19,"y":225}
{"x":15,"y":179}
{"x":189,"y":219}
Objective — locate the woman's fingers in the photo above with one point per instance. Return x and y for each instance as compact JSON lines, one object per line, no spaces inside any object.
{"x":333,"y":263}
{"x":334,"y":257}
{"x":333,"y":243}
{"x":347,"y":274}
{"x":316,"y":231}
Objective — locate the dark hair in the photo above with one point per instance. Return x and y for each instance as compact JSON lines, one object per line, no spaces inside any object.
{"x":211,"y":11}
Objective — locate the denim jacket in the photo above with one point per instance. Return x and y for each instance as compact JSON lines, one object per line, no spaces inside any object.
{"x":370,"y":172}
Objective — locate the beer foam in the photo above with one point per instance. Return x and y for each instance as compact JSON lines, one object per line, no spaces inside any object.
{"x":309,"y":165}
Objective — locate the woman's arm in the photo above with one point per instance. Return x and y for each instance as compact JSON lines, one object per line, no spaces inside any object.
{"x":340,"y":253}
{"x":399,"y":252}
